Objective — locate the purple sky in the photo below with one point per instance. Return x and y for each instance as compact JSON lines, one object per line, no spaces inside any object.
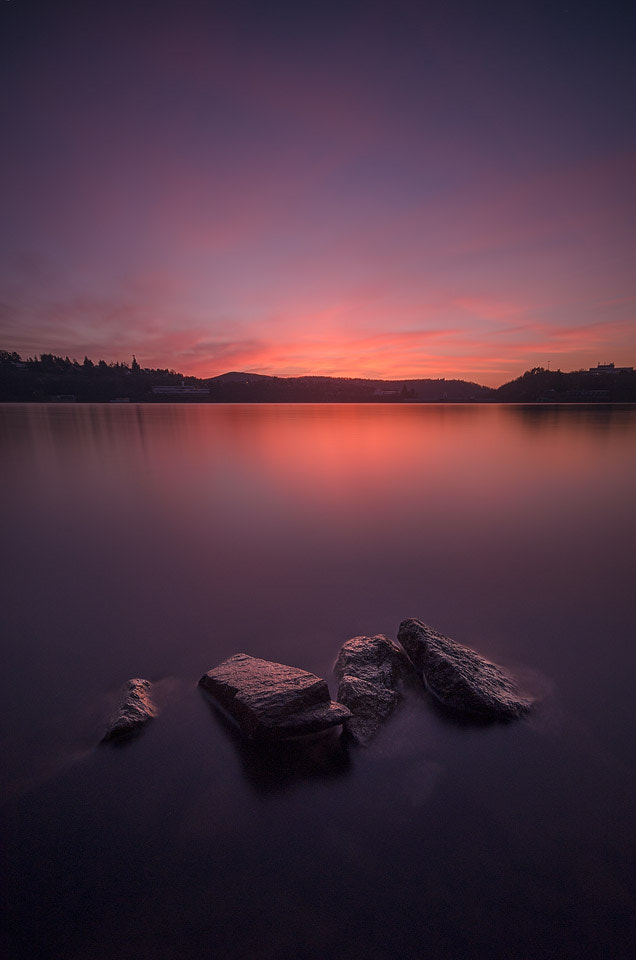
{"x":365,"y":189}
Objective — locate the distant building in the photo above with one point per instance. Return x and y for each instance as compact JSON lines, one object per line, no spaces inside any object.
{"x":587,"y":395}
{"x":609,"y":368}
{"x":379,"y":392}
{"x":181,"y":390}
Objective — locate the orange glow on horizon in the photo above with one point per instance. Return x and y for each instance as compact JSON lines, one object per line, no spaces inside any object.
{"x":451,"y":353}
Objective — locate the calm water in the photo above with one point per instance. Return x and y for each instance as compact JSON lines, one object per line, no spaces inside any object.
{"x":156,"y":540}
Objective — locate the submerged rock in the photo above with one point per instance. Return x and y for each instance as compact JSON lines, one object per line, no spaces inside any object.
{"x":373,"y":672}
{"x":459,"y":677}
{"x":370,"y":706}
{"x":272,"y":701}
{"x":135,"y":709}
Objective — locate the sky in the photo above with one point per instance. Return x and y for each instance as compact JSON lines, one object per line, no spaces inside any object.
{"x":341,"y":188}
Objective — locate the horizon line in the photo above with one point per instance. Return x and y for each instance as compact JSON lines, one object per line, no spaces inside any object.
{"x":299,"y":376}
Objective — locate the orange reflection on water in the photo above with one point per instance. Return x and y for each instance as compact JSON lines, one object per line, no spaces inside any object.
{"x":333,"y":468}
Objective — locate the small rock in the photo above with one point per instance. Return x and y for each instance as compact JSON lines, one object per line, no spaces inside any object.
{"x":459,"y":677}
{"x":135,"y":709}
{"x":370,"y":705}
{"x":376,"y":659}
{"x":272,"y":701}
{"x":373,"y":672}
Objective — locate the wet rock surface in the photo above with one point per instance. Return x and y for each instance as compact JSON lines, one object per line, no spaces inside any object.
{"x":370,"y":706}
{"x":377,"y":660}
{"x":459,"y":677}
{"x":373,"y":673}
{"x":272,"y":701}
{"x":136,"y":708}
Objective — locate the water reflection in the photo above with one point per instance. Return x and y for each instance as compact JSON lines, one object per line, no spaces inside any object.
{"x":156,"y":541}
{"x":273,"y":767}
{"x":596,"y":416}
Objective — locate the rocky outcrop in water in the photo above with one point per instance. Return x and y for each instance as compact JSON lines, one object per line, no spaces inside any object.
{"x":375,"y":659}
{"x":135,"y":709}
{"x":272,"y":701}
{"x":459,"y":677}
{"x":373,"y":672}
{"x":370,"y":707}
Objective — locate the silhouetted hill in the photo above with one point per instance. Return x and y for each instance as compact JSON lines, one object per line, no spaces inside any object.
{"x":251,"y":388}
{"x":580,"y":386}
{"x":49,"y":377}
{"x":235,"y":377}
{"x":57,"y":378}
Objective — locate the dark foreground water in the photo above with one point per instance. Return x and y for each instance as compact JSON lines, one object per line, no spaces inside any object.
{"x":154,"y":541}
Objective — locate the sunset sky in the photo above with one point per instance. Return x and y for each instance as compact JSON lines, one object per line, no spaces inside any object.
{"x":346,"y":188}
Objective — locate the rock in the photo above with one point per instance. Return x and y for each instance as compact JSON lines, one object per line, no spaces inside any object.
{"x":459,"y":677}
{"x":375,"y":659}
{"x":373,"y":672}
{"x":272,"y":701}
{"x":370,"y":705}
{"x":135,"y":709}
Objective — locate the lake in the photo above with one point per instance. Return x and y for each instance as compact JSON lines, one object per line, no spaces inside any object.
{"x":156,"y":540}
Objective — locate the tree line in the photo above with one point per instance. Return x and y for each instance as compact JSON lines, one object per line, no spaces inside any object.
{"x":50,"y":377}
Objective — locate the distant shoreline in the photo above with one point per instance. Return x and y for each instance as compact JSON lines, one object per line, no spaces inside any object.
{"x":332,"y":403}
{"x":52,"y":379}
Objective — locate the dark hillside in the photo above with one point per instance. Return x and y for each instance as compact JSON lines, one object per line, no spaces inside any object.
{"x":580,"y":386}
{"x":247,"y":388}
{"x":52,"y":378}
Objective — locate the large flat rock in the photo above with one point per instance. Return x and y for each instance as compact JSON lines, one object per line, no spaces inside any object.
{"x":459,"y":677}
{"x":373,"y":672}
{"x":135,"y":708}
{"x":272,"y":701}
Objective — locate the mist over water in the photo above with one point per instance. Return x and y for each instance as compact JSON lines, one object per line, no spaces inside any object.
{"x":156,"y":540}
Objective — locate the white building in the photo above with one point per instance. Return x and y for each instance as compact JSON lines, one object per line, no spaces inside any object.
{"x":609,"y":368}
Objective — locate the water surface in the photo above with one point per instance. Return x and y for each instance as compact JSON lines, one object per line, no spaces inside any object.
{"x":156,"y":540}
